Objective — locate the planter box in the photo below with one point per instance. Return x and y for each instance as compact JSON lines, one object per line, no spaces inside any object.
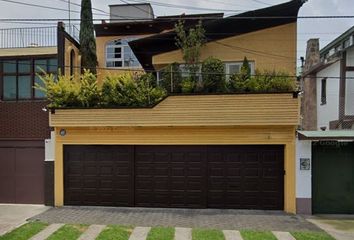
{"x":191,"y":110}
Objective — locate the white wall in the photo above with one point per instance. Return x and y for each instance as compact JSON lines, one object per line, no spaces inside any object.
{"x":349,"y":94}
{"x":350,"y":57}
{"x":303,"y":177}
{"x":49,"y":147}
{"x":328,"y":112}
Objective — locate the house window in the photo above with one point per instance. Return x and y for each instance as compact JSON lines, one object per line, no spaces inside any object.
{"x":120,"y":55}
{"x":18,"y":76}
{"x":235,"y":67}
{"x":72,"y":62}
{"x":324,"y":91}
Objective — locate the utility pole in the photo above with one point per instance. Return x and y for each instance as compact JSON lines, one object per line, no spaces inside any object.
{"x":69,"y":8}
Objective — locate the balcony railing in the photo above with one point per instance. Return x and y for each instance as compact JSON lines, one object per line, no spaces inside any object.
{"x":33,"y":37}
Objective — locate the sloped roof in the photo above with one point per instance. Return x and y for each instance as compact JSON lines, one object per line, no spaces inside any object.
{"x":216,"y":29}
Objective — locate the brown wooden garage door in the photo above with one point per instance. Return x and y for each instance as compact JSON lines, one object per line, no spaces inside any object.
{"x":22,"y":172}
{"x":240,"y":177}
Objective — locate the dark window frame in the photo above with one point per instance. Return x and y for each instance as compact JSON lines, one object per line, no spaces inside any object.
{"x":324,"y":91}
{"x":32,"y":74}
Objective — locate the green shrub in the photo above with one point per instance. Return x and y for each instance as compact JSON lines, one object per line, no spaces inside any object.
{"x":171,"y":73}
{"x":119,"y":90}
{"x":238,"y":82}
{"x":262,"y":81}
{"x":270,"y":81}
{"x":188,"y":85}
{"x":125,"y":90}
{"x":213,"y":75}
{"x":88,"y":95}
{"x":61,"y":92}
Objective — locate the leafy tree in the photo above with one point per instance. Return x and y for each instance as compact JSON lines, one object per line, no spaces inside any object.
{"x":190,"y":41}
{"x":246,"y":69}
{"x":87,"y":38}
{"x":213,"y":74}
{"x":238,"y":81}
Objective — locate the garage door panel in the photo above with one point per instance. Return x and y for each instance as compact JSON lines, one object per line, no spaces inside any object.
{"x":7,"y":161}
{"x":98,"y":175}
{"x":7,"y":189}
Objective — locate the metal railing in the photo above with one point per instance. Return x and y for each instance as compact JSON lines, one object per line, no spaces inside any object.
{"x":28,"y":37}
{"x":34,"y":36}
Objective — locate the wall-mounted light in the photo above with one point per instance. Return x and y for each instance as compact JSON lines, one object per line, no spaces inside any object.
{"x":62,"y":132}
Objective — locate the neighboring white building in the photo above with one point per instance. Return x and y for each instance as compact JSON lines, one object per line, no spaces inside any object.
{"x":325,"y":147}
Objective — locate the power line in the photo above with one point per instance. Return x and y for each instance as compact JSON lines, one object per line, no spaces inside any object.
{"x":261,"y":2}
{"x":178,"y":18}
{"x":187,"y":7}
{"x":42,"y":6}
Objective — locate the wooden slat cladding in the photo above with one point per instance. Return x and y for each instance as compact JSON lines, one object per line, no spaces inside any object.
{"x":193,"y":110}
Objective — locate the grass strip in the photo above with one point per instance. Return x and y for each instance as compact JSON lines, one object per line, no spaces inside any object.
{"x":25,"y":231}
{"x":115,"y":233}
{"x":311,"y":236}
{"x":161,"y":233}
{"x":207,"y":234}
{"x":68,"y":232}
{"x":257,"y":235}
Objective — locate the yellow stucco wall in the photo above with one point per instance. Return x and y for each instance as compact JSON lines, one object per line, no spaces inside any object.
{"x":69,"y":46}
{"x":180,"y":136}
{"x":270,"y":49}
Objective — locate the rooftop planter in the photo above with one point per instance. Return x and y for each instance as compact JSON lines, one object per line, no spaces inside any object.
{"x":263,"y":109}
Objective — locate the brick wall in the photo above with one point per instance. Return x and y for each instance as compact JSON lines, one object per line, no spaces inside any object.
{"x":24,"y":120}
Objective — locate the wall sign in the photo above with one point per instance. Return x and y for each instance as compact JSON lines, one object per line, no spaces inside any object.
{"x":305,"y":164}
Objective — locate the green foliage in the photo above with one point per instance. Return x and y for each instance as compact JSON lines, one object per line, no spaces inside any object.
{"x":245,"y":68}
{"x":262,"y":81}
{"x":87,"y":38}
{"x":125,"y":90}
{"x":270,"y":81}
{"x":190,"y":41}
{"x":171,"y":78}
{"x":213,"y":75}
{"x":60,"y":93}
{"x":119,"y":90}
{"x":88,"y":94}
{"x":239,"y":81}
{"x":188,"y":85}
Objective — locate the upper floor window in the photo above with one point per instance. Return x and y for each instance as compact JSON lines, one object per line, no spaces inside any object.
{"x":120,"y":55}
{"x":18,"y":76}
{"x":235,"y":67}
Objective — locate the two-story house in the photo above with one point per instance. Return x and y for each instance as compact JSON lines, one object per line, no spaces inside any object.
{"x":325,"y":139}
{"x":191,"y":151}
{"x":26,"y":161}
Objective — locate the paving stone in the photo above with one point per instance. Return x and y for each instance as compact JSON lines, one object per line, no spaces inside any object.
{"x":232,"y":235}
{"x":283,"y":235}
{"x":45,"y":233}
{"x":139,"y":233}
{"x":188,"y":218}
{"x":92,"y":232}
{"x":183,"y":233}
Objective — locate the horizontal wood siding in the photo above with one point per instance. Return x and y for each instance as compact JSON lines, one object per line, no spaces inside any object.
{"x":197,"y":110}
{"x":176,"y":135}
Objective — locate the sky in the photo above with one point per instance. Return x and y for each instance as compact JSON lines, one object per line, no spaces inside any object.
{"x":324,"y":29}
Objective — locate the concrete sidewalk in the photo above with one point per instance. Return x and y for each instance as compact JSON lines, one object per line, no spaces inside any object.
{"x":12,"y":216}
{"x":341,"y":227}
